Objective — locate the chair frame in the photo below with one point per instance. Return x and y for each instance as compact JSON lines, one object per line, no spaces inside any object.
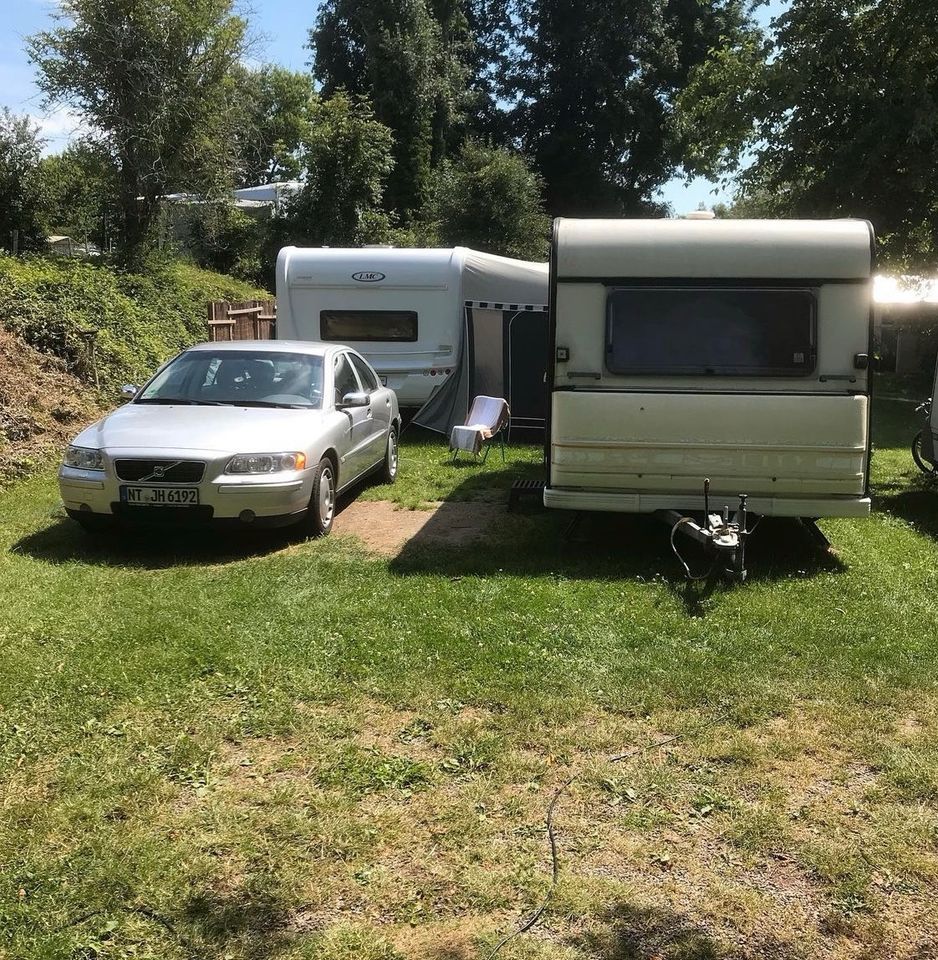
{"x":487,"y":444}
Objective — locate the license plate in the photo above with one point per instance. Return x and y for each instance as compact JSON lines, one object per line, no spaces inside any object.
{"x":160,"y":496}
{"x":384,"y":380}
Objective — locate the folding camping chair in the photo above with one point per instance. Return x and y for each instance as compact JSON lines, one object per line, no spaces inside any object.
{"x":487,"y":420}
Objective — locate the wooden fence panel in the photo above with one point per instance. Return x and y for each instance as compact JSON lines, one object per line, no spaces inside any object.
{"x":241,"y":320}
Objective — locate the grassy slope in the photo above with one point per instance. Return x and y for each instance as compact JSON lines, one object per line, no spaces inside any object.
{"x":47,"y":379}
{"x":305,"y":751}
{"x":140,"y":319}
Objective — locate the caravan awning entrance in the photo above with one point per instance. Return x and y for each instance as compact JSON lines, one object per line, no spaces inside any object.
{"x":504,"y":344}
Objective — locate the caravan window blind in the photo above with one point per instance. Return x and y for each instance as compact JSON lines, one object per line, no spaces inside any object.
{"x":723,"y":331}
{"x":363,"y":326}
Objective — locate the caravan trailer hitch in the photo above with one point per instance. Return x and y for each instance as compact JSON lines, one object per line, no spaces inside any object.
{"x":721,"y":536}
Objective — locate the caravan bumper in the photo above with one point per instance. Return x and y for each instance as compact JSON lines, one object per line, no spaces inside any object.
{"x":612,"y":502}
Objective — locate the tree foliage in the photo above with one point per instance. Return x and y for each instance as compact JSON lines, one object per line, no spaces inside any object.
{"x":408,"y":58}
{"x":348,"y":158}
{"x":80,"y":193}
{"x":153,"y":80}
{"x":593,"y":88}
{"x":21,"y":194}
{"x":836,"y":114}
{"x":274,"y":122}
{"x":488,"y":198}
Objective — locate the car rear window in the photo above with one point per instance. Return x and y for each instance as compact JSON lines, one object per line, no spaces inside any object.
{"x":363,"y":326}
{"x":720,"y":331}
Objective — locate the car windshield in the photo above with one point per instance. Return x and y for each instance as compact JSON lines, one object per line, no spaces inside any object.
{"x":243,"y":378}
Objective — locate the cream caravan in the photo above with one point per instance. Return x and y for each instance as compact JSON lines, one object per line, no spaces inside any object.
{"x":736,"y":351}
{"x":405,"y":310}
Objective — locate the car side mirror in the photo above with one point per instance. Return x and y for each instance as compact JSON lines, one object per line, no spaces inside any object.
{"x":355,"y":400}
{"x":129,"y":391}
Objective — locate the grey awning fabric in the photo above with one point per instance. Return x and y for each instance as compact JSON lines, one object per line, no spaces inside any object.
{"x":450,"y":404}
{"x":494,"y":289}
{"x":488,"y":279}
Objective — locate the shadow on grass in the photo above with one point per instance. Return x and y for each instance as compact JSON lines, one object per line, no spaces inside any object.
{"x":636,"y":933}
{"x":214,"y":922}
{"x":895,"y":423}
{"x":150,"y":548}
{"x":917,"y":504}
{"x":606,"y":546}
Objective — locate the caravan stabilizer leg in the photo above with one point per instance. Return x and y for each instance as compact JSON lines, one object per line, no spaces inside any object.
{"x":723,"y":538}
{"x":816,"y":534}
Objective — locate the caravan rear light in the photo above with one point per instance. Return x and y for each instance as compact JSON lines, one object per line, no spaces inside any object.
{"x":433,"y":373}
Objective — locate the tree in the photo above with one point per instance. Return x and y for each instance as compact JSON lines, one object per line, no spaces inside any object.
{"x":20,"y":182}
{"x":275,"y":106}
{"x":488,"y":56}
{"x":222,"y":238}
{"x":80,"y":193}
{"x":488,"y":198}
{"x":153,"y":81}
{"x":833,"y":113}
{"x":409,"y":65}
{"x":348,"y":158}
{"x":593,"y":87}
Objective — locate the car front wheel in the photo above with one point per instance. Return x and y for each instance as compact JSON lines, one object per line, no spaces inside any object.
{"x":391,"y":456}
{"x":321,"y":510}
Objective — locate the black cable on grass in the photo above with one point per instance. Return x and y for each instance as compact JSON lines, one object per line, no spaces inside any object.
{"x":141,"y":910}
{"x":531,"y":920}
{"x":690,"y":577}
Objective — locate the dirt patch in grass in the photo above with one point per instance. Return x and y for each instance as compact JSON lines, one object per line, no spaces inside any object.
{"x":386,"y":529}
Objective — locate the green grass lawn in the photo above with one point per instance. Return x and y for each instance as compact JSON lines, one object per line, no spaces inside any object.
{"x":270,"y":749}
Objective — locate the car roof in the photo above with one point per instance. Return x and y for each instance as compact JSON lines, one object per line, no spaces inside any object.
{"x":312,"y":348}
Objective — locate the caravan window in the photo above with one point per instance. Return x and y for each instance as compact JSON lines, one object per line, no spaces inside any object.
{"x":721,"y":331}
{"x":361,"y":326}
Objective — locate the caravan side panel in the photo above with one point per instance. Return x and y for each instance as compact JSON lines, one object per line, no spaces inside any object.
{"x":320,"y":290}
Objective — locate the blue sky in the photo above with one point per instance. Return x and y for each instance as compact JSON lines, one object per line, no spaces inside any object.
{"x":280,"y":27}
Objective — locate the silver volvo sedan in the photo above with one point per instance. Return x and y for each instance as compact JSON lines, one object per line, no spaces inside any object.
{"x":259,"y":433}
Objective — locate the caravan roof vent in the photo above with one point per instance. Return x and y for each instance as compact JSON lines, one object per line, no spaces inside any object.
{"x":700,"y":215}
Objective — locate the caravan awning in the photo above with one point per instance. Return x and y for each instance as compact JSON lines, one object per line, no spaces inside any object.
{"x":500,"y":283}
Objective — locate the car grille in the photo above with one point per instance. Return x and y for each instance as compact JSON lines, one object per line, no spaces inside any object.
{"x":160,"y":471}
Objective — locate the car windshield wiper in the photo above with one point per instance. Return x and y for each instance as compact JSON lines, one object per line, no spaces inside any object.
{"x":273,"y":404}
{"x":181,"y":400}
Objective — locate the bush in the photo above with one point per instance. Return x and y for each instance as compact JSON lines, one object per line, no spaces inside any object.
{"x":489,"y":199}
{"x":140,"y":319}
{"x":222,"y":238}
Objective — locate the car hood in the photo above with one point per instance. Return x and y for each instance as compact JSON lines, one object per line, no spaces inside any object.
{"x":223,"y":429}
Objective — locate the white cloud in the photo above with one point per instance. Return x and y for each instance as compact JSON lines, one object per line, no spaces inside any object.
{"x":59,"y":124}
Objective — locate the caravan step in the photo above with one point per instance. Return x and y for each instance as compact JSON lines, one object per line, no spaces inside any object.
{"x":525,"y":488}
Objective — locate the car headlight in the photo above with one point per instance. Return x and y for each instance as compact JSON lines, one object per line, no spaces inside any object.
{"x":84,"y":458}
{"x":266,"y":462}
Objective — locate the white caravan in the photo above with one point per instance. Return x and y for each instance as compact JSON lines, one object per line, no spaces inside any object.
{"x":403,"y":309}
{"x":730,"y":350}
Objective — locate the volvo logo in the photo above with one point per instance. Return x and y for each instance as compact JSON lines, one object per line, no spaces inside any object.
{"x":368,"y":276}
{"x":159,"y":471}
